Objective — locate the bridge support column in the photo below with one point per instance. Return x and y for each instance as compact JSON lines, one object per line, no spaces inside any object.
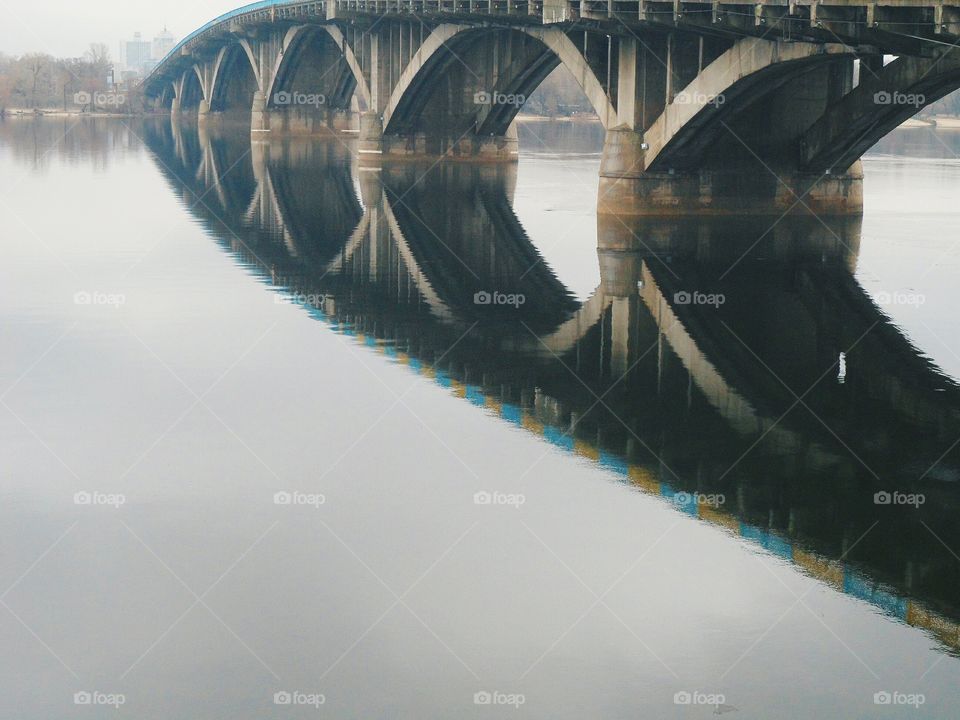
{"x":259,"y":119}
{"x":502,"y":147}
{"x":371,"y":137}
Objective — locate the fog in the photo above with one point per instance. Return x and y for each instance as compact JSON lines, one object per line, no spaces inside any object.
{"x":65,"y":29}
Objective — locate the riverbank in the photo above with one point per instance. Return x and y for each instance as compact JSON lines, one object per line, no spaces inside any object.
{"x":42,"y":112}
{"x":582,"y":118}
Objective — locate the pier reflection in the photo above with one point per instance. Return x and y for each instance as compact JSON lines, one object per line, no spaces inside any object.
{"x":752,"y":384}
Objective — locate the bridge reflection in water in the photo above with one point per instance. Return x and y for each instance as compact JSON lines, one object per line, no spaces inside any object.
{"x":776,"y":415}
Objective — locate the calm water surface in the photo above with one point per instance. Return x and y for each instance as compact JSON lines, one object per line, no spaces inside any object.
{"x":263,"y":433}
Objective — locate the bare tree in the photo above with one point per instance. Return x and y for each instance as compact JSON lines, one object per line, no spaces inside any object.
{"x":98,"y":55}
{"x":35,"y":69}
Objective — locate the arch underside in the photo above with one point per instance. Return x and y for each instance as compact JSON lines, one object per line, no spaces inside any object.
{"x":722,"y":130}
{"x":749,"y":105}
{"x":234,"y":82}
{"x":313,"y":64}
{"x":164,"y":99}
{"x":882,"y":101}
{"x":191,"y":90}
{"x":467,"y":80}
{"x":800,"y":114}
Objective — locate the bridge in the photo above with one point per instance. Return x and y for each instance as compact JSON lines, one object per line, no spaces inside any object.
{"x":709,"y":107}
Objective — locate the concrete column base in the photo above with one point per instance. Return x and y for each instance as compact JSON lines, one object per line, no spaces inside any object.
{"x":259,"y":118}
{"x":422,"y":146}
{"x":302,"y":121}
{"x":469,"y":149}
{"x":370,"y":145}
{"x":203,"y":112}
{"x":627,"y":189}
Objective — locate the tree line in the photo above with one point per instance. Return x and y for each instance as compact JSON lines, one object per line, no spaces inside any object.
{"x":36,"y":81}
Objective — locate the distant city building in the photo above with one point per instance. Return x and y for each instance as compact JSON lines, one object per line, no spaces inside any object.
{"x":162,"y":44}
{"x":141,"y":56}
{"x":138,"y":53}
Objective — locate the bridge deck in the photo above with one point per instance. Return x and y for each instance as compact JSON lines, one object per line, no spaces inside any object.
{"x":863,"y":21}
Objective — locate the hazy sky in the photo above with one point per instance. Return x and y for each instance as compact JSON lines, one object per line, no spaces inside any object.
{"x":67,"y":27}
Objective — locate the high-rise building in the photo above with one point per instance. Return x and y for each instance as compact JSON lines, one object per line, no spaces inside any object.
{"x":162,"y":44}
{"x":138,"y":52}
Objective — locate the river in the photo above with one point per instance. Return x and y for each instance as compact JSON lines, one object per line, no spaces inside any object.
{"x":287,"y":437}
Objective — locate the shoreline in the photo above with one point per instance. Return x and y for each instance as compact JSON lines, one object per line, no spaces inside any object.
{"x":939,"y":122}
{"x":22,"y":113}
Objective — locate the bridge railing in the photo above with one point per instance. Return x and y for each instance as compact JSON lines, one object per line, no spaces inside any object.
{"x":940,"y":16}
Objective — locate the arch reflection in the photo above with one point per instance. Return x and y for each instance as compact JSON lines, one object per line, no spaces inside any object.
{"x":753,"y":385}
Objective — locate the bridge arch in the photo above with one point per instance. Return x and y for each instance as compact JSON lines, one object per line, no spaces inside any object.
{"x":734,"y":83}
{"x":883,"y":100}
{"x":317,"y":59}
{"x":167,"y":96}
{"x":190,"y":92}
{"x":233,"y":79}
{"x":520,"y":59}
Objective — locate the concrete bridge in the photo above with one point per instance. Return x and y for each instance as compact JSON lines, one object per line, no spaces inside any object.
{"x":709,"y":107}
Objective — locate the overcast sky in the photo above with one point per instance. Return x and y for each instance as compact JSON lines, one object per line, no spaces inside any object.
{"x":67,"y":27}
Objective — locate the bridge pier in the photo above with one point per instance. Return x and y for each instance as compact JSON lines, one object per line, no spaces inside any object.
{"x":259,"y":118}
{"x":370,"y":147}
